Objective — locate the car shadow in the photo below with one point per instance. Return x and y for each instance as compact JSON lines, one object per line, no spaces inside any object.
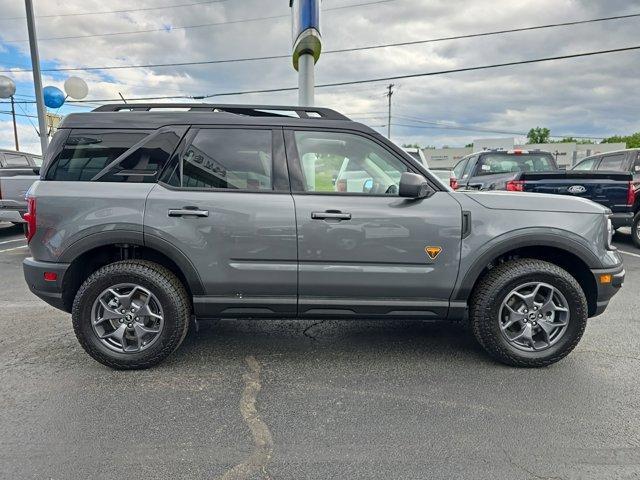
{"x":326,"y":340}
{"x":623,"y":239}
{"x":8,"y":230}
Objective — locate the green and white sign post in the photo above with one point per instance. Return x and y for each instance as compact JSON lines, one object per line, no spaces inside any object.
{"x":307,"y":45}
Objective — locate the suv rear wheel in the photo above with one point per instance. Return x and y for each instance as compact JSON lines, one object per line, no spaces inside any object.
{"x":528,"y":313}
{"x":635,"y":230}
{"x":131,"y":314}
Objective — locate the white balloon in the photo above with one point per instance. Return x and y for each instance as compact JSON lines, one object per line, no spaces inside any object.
{"x":76,"y":88}
{"x":7,"y":87}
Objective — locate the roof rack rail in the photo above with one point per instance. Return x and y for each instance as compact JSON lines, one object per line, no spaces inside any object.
{"x":249,"y":110}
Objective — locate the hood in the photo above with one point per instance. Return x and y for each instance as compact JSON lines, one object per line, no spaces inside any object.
{"x":535,"y":202}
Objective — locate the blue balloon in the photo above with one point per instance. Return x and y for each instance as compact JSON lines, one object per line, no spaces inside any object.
{"x":53,"y":97}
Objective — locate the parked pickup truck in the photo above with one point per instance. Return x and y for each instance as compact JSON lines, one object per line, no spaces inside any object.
{"x":614,"y":190}
{"x":16,"y":176}
{"x":492,"y":169}
{"x":620,"y":161}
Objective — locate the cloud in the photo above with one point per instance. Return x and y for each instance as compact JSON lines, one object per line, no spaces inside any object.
{"x":589,"y":96}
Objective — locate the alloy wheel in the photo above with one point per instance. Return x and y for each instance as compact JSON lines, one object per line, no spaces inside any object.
{"x":127,"y":318}
{"x":534,"y":316}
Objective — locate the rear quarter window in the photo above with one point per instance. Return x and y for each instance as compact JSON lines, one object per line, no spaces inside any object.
{"x":87,"y":153}
{"x":612,"y":162}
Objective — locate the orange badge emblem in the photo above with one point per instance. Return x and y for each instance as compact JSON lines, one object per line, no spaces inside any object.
{"x":433,"y":252}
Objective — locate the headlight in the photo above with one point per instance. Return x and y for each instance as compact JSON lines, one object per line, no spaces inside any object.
{"x":609,"y":233}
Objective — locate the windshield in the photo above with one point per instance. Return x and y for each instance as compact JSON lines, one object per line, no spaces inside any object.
{"x":494,"y":163}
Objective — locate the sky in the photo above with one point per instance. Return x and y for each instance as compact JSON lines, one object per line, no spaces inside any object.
{"x":591,"y":96}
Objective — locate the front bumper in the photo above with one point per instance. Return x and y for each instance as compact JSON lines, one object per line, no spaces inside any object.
{"x":49,"y":291}
{"x":624,"y":219}
{"x":607,"y":290}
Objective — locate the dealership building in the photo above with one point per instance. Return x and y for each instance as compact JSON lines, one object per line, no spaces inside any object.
{"x":567,"y":154}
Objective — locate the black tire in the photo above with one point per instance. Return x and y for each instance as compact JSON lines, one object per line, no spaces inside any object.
{"x":635,"y":230}
{"x":495,"y":286}
{"x":157,"y":279}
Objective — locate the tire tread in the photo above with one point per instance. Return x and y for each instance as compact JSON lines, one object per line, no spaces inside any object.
{"x":483,"y":299}
{"x":167,"y":281}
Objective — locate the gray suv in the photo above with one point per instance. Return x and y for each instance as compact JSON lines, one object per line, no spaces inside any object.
{"x":149,"y":216}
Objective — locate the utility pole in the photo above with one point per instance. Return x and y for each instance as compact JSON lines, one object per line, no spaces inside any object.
{"x":15,"y":127}
{"x":37,"y":78}
{"x":388,"y":95}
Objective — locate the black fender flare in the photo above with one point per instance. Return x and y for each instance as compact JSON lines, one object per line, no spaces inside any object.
{"x":132,"y":237}
{"x":529,"y":237}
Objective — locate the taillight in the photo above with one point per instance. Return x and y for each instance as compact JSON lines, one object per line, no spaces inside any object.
{"x":30,"y":218}
{"x":631,"y":194}
{"x":453,"y":183}
{"x":515,"y":185}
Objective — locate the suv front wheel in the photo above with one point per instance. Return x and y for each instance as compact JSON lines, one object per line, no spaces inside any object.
{"x":528,"y":313}
{"x":131,"y":314}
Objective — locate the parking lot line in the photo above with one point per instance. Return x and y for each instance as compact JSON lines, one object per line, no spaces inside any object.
{"x":629,"y":253}
{"x":13,"y":241}
{"x":14,"y":248}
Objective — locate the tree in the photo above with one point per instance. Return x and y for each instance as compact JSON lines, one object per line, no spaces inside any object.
{"x":410,"y":145}
{"x":632,"y":141}
{"x":469,"y":145}
{"x":538,"y":135}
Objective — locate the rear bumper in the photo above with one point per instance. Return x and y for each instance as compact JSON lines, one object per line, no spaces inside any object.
{"x":49,"y":291}
{"x":621,"y":219}
{"x":11,"y":215}
{"x":606,"y":291}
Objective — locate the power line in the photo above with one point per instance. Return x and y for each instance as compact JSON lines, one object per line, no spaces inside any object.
{"x":369,"y":80}
{"x":202,"y":25}
{"x":484,"y":130}
{"x":485,"y":34}
{"x":342,"y":50}
{"x":117,"y":11}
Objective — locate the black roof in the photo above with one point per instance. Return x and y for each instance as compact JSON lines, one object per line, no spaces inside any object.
{"x":154,"y":115}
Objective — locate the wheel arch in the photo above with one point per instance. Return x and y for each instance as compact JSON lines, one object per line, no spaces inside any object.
{"x":563,"y":250}
{"x":99,"y":249}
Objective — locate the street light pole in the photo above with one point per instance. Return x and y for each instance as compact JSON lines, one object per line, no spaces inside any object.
{"x":307,"y":46}
{"x":37,"y":78}
{"x":15,"y":127}
{"x":306,"y":80}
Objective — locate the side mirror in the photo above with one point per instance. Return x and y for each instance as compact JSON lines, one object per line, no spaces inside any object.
{"x":367,"y":187}
{"x":413,"y":185}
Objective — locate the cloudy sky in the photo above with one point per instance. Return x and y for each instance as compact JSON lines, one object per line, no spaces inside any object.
{"x":593,"y":96}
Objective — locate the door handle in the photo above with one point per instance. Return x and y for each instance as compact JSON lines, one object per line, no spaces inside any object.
{"x":330,"y":215}
{"x":183,"y":212}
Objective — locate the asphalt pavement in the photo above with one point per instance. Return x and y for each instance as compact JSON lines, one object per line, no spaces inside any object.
{"x":315,"y":400}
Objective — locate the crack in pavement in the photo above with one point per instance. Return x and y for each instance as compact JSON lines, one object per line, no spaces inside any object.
{"x":262,"y":439}
{"x":521,"y":467}
{"x":306,"y":333}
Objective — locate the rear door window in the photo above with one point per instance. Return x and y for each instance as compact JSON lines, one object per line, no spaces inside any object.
{"x":226,"y":158}
{"x":612,"y":162}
